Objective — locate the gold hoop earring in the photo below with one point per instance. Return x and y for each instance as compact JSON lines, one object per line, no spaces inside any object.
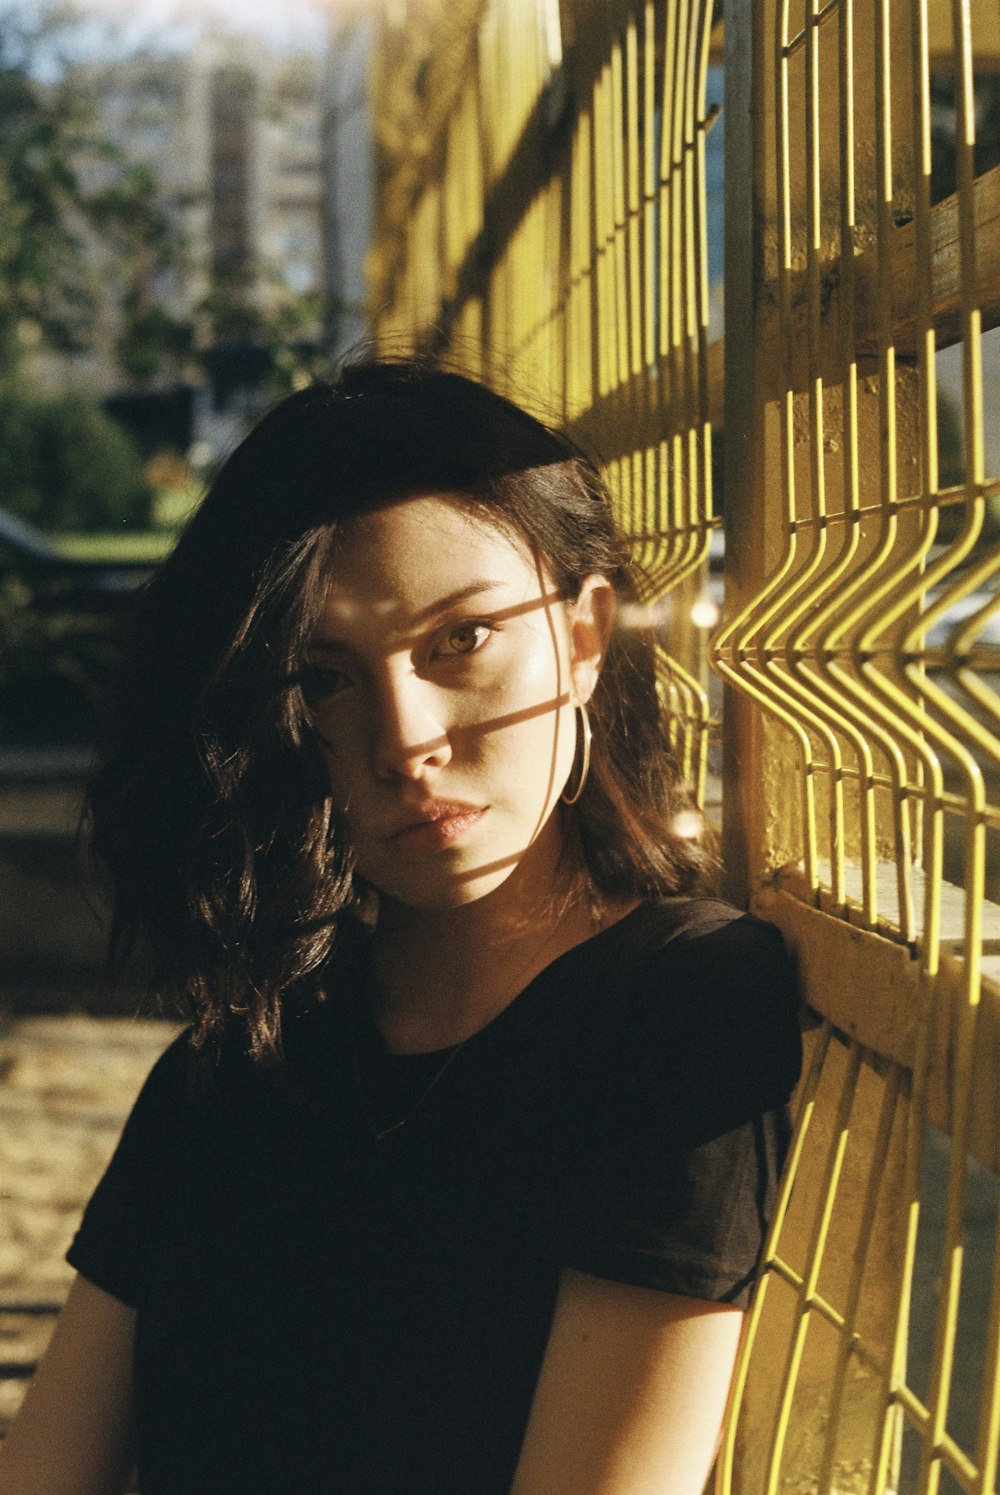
{"x":571,"y":799}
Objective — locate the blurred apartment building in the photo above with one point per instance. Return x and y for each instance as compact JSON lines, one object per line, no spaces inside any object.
{"x":232,"y":136}
{"x":232,"y":132}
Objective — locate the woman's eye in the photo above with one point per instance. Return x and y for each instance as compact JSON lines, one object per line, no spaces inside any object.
{"x":319,"y":684}
{"x":466,"y":638}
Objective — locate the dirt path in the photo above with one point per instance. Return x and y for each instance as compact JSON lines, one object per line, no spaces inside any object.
{"x":66,"y":1086}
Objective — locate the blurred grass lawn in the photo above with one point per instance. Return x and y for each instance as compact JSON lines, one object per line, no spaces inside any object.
{"x":113,"y":546}
{"x":171,"y":507}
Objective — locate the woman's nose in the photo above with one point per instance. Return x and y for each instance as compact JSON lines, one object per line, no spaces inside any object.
{"x":409,"y":731}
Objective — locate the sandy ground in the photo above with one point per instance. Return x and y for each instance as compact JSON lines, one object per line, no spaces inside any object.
{"x":71,"y":1062}
{"x":66,"y":1086}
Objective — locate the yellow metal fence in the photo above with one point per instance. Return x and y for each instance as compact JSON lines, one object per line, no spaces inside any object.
{"x":543,"y":219}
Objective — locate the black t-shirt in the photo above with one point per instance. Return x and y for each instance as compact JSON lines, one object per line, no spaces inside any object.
{"x":320,"y":1311}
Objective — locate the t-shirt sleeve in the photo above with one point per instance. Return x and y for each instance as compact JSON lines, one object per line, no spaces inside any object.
{"x":123,"y":1225}
{"x":676,"y":1186}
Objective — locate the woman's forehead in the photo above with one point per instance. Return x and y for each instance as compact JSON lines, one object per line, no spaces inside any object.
{"x":446,"y":511}
{"x":422,"y":554}
{"x":424,"y":534}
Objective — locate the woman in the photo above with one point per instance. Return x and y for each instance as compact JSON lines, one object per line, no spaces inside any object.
{"x":458,"y":1182}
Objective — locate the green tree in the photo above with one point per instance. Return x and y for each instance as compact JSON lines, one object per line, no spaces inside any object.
{"x":152,"y":341}
{"x":50,"y":218}
{"x":66,"y":464}
{"x":274,"y":347}
{"x":45,"y":287}
{"x":130,"y":213}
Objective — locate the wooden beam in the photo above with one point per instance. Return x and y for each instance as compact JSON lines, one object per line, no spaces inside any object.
{"x":870,"y":988}
{"x":946,"y":270}
{"x":789,"y":358}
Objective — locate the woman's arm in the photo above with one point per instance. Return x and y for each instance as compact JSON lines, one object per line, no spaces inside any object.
{"x":632,"y":1392}
{"x":73,"y":1436}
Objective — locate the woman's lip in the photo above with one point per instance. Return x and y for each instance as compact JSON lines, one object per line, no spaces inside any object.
{"x":431,"y":811}
{"x":443,"y":825}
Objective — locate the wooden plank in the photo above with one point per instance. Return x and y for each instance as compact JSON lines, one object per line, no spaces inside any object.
{"x":870,"y":988}
{"x":789,"y":355}
{"x":946,"y":269}
{"x":865,"y":984}
{"x":644,"y":420}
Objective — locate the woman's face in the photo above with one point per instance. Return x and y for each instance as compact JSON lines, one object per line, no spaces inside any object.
{"x":442,"y":679}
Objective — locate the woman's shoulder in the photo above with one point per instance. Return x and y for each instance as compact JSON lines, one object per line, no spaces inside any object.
{"x":702,"y":953}
{"x":172,"y":1071}
{"x":181,"y":1077}
{"x":715,"y":997}
{"x":165,"y":1094}
{"x":704,"y":928}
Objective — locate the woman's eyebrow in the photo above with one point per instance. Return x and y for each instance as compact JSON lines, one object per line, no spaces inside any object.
{"x":462,"y":594}
{"x":433,"y":610}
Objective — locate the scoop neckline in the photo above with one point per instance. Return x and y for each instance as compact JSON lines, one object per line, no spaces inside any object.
{"x":362,"y":1009}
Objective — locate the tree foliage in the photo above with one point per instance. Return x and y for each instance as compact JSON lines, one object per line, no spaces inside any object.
{"x":131,"y":215}
{"x":65,"y":191}
{"x":53,"y":209}
{"x":151,"y":340}
{"x":66,"y":464}
{"x":46,"y":291}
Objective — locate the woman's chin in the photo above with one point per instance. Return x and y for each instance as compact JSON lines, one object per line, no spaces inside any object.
{"x":435,"y":890}
{"x":462,"y":876}
{"x":438,"y":897}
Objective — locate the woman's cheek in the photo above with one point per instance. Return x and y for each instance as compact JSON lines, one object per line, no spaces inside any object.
{"x":511,"y":707}
{"x":536,"y":673}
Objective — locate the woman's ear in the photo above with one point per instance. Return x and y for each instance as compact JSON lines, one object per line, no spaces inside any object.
{"x":591,"y":618}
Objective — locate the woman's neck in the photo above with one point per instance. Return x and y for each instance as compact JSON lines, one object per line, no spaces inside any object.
{"x":443,"y":974}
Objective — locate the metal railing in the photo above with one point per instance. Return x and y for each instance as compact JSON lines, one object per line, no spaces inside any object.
{"x":543,"y":218}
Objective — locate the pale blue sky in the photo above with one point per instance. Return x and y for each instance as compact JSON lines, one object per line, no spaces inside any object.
{"x":124,"y":25}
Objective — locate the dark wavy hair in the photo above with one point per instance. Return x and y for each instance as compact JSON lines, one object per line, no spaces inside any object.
{"x":211,"y":811}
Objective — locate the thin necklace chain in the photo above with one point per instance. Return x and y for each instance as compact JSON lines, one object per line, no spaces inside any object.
{"x":380,"y":1133}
